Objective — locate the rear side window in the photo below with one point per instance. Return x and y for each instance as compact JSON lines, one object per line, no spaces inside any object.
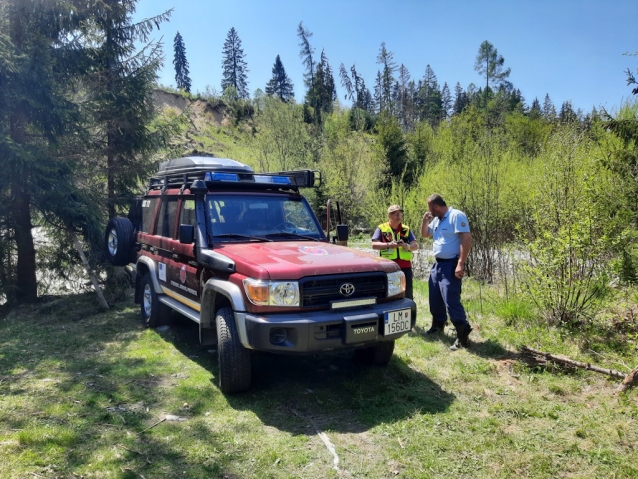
{"x":166,"y":219}
{"x":187,"y":215}
{"x":148,"y":209}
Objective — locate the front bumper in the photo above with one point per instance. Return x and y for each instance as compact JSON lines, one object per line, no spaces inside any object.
{"x":317,"y":331}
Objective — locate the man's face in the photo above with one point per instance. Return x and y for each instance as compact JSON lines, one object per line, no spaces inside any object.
{"x":434,"y":209}
{"x":395,"y":217}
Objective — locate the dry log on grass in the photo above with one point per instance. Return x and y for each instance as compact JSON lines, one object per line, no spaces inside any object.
{"x":571,"y":362}
{"x":87,"y":267}
{"x":630,"y":380}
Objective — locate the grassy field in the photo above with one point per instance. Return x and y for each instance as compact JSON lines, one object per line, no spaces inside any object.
{"x":93,"y":394}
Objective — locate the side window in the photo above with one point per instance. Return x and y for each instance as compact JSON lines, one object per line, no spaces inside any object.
{"x":148,"y":209}
{"x":166,"y":218}
{"x":187,"y":215}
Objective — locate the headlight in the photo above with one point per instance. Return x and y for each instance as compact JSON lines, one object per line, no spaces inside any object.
{"x":396,"y":283}
{"x":272,"y":293}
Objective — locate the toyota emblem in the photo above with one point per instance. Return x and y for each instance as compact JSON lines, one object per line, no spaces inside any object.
{"x":346,"y":289}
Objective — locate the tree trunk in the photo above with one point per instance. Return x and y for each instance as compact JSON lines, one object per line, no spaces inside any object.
{"x":20,"y":208}
{"x":27,"y":285}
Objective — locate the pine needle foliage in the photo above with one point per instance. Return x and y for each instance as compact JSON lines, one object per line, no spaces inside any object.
{"x":182,"y":80}
{"x":234,"y":66}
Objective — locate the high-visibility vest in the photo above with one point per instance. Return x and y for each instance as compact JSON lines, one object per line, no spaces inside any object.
{"x":391,"y":253}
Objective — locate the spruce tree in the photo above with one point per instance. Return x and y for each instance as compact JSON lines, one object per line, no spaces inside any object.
{"x":234,"y":69}
{"x":404,"y":100}
{"x":549,"y":111}
{"x":323,"y":89}
{"x":364,"y":97}
{"x":280,"y":85}
{"x":387,"y":80}
{"x":346,"y":83}
{"x":35,"y":112}
{"x":446,"y":102}
{"x":121,"y":92}
{"x":567,"y":113}
{"x":379,"y":98}
{"x":356,"y":89}
{"x":42,"y":136}
{"x":535,"y":111}
{"x":460,"y":100}
{"x":306,"y":53}
{"x":394,"y":150}
{"x":429,"y":98}
{"x":180,"y":63}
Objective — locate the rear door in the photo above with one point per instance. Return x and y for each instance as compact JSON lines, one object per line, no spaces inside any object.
{"x":177,"y":269}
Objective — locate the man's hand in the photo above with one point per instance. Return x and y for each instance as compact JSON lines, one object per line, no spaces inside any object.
{"x":460,"y":271}
{"x":427,"y":217}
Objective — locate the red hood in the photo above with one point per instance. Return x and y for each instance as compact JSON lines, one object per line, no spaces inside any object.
{"x":296,"y":259}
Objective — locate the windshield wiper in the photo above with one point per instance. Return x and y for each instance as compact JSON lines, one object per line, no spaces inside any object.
{"x":238,"y":236}
{"x":294,"y":235}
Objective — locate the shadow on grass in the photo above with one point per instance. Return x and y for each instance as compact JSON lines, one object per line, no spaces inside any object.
{"x":90,"y":389}
{"x":489,"y":349}
{"x":333,"y":391}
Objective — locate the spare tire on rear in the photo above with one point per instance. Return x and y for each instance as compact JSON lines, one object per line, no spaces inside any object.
{"x":119,"y":241}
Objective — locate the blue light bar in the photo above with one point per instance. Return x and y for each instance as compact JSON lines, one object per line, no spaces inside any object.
{"x":276,"y":180}
{"x":221,"y":177}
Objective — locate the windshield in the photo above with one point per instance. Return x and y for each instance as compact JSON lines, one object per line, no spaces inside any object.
{"x":237,"y":217}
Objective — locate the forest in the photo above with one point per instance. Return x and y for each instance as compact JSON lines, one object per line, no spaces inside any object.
{"x":551,"y":194}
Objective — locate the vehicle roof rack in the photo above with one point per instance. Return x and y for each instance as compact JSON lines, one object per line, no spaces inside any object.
{"x":222,"y":173}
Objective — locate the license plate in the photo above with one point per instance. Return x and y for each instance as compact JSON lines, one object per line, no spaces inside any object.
{"x":397,"y":322}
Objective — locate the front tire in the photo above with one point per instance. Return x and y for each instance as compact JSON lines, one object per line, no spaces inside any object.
{"x":154,"y":312}
{"x":234,"y":359}
{"x":380,"y":354}
{"x":118,"y":241}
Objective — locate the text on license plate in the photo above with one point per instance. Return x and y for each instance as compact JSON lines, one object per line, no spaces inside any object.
{"x":398,"y":321}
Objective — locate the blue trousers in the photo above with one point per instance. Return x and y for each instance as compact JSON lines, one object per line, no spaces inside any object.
{"x":445,"y":295}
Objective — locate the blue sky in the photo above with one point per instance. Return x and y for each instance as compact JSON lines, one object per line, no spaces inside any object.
{"x":570,"y":49}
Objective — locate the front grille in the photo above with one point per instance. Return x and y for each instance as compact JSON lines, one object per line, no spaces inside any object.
{"x":321,"y":290}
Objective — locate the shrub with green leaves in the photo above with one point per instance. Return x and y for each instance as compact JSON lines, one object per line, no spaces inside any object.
{"x":564,"y":267}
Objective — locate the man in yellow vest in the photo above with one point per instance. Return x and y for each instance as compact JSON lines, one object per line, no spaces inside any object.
{"x":396,"y":242}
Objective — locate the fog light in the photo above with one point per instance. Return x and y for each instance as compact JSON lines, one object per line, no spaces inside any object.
{"x":278,"y":335}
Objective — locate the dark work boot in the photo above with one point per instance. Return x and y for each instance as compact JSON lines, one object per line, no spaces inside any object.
{"x":462,"y":337}
{"x":436,"y":328}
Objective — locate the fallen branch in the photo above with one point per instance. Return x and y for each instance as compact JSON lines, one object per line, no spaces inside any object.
{"x":630,"y":380}
{"x":571,"y":362}
{"x":153,"y":425}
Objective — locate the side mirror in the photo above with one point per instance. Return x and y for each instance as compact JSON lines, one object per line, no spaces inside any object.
{"x":343,"y":233}
{"x":186,"y":234}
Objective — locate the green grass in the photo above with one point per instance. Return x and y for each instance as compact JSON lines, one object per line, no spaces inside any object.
{"x":87,"y":394}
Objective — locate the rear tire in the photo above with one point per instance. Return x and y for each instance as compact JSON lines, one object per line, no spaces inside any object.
{"x":379,"y":354}
{"x":118,"y":241}
{"x":154,"y":312}
{"x":233,"y":358}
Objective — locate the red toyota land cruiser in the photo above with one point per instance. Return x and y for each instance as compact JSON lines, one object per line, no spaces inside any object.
{"x":243,"y":255}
